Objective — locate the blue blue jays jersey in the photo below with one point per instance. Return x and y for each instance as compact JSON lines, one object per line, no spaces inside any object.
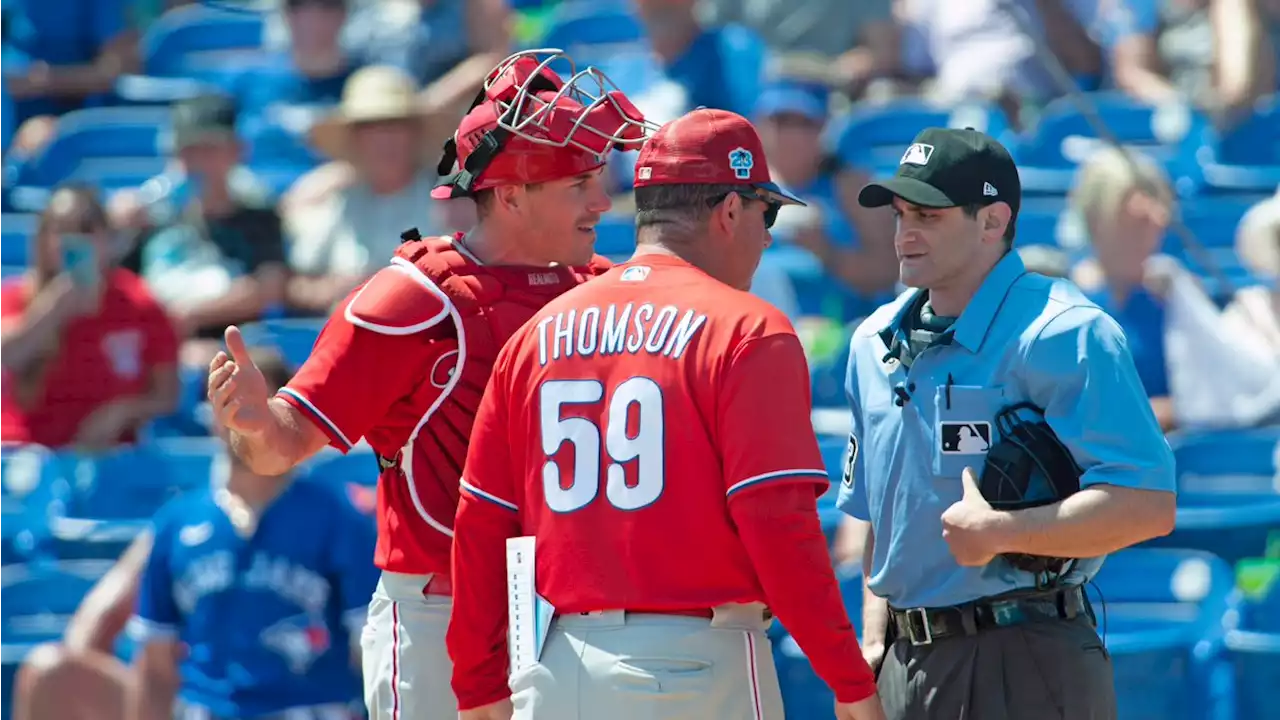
{"x":267,"y":619}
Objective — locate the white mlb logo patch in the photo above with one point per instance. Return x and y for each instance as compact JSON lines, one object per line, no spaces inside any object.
{"x":644,"y":173}
{"x":635,"y":274}
{"x":917,"y":154}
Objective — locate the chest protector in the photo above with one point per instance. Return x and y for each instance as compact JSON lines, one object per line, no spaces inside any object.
{"x":487,"y":304}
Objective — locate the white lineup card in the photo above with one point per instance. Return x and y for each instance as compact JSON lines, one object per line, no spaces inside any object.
{"x":529,"y":615}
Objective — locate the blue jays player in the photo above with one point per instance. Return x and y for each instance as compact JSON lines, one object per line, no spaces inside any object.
{"x":252,"y":601}
{"x":955,"y":630}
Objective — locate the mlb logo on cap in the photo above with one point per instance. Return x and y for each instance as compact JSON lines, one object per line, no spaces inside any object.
{"x":708,"y":147}
{"x":917,"y":154}
{"x":741,"y":162}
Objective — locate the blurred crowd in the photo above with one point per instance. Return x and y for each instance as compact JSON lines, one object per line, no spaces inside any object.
{"x":290,"y":168}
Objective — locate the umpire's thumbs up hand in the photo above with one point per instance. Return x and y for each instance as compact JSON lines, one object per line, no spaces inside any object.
{"x":237,"y":389}
{"x":969,"y":525}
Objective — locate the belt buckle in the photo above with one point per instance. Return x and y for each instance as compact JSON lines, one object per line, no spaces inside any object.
{"x":912,"y":635}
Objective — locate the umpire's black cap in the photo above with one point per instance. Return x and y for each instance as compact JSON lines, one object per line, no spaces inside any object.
{"x":950,"y":168}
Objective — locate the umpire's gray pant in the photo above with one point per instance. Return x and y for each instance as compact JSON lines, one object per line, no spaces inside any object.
{"x":1050,"y":670}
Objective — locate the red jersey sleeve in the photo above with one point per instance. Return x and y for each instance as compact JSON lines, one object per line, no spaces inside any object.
{"x":764,"y":417}
{"x":770,"y":451}
{"x":487,"y":516}
{"x":371,"y":353}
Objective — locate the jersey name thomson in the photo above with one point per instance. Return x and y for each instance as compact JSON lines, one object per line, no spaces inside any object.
{"x":629,"y":328}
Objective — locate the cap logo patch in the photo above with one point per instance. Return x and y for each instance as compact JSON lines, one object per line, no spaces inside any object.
{"x":635,"y":274}
{"x":644,"y":173}
{"x":917,"y":154}
{"x":741,"y":161}
{"x":989,"y":190}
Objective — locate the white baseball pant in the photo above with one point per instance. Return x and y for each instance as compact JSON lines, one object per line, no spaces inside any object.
{"x":406,"y":665}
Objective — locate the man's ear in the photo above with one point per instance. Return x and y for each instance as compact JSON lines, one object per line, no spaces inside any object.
{"x":996,"y":219}
{"x":509,"y":196}
{"x":728,"y":213}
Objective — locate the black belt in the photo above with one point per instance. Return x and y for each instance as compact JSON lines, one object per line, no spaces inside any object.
{"x":922,"y":626}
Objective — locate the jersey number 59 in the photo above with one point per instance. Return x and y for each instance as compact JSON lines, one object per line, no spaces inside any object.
{"x":645,"y":447}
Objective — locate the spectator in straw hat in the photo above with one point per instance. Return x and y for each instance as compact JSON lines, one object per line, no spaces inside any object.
{"x":380,"y":141}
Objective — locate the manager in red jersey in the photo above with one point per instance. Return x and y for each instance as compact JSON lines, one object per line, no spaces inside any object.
{"x":651,"y":430}
{"x":403,"y":362}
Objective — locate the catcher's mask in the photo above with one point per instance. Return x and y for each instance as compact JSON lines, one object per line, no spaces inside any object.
{"x":1029,"y":467}
{"x":527,"y":125}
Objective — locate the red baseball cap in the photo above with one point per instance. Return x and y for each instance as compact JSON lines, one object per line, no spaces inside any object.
{"x":708,"y":147}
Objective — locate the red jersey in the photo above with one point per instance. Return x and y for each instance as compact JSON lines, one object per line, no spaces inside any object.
{"x":652,"y":431}
{"x":402,"y":364}
{"x":624,"y":420}
{"x":101,"y":357}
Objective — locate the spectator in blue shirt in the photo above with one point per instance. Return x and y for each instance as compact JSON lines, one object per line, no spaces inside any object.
{"x":280,"y":99}
{"x":1219,"y":54}
{"x":60,"y":54}
{"x":81,"y":678}
{"x":1125,"y":206}
{"x":717,"y":67}
{"x":252,"y":601}
{"x":447,"y":46}
{"x":853,"y":243}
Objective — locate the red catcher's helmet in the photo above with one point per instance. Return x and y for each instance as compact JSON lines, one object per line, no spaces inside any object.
{"x":529,"y":126}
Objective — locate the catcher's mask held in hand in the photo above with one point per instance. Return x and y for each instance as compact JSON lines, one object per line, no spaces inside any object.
{"x":527,"y":125}
{"x":1029,"y":467}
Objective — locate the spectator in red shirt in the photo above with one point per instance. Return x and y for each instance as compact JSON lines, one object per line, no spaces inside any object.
{"x":87,"y":353}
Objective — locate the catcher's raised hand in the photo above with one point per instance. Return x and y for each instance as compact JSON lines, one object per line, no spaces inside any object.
{"x":237,"y":389}
{"x":969,"y":525}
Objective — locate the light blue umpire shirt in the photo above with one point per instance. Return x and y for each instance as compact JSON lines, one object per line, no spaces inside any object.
{"x":1023,"y":337}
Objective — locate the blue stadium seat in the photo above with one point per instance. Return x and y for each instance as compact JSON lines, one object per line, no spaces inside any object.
{"x":616,"y":236}
{"x":1254,"y":647}
{"x":1227,"y":460}
{"x":1245,"y":157}
{"x":577,"y":24}
{"x":873,"y":137}
{"x":292,"y":337}
{"x":174,"y":37}
{"x":1039,"y":218}
{"x":1163,"y":614}
{"x":827,"y":376}
{"x":1062,"y":137}
{"x":39,"y":601}
{"x":11,"y":271}
{"x":16,"y":232}
{"x":1228,"y":501}
{"x":1256,"y":657}
{"x":34,"y":492}
{"x":1212,"y":220}
{"x":114,"y":495}
{"x":152,"y":90}
{"x":104,"y":144}
{"x":189,"y":419}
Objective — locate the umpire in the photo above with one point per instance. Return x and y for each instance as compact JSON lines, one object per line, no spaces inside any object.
{"x":1002,"y":445}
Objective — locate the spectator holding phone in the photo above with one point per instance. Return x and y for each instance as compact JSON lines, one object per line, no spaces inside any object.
{"x":87,"y":353}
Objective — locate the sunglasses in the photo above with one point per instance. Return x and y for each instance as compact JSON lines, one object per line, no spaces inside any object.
{"x":770,"y":210}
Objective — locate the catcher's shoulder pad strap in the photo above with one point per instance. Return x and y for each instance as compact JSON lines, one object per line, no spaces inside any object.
{"x":398,"y":300}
